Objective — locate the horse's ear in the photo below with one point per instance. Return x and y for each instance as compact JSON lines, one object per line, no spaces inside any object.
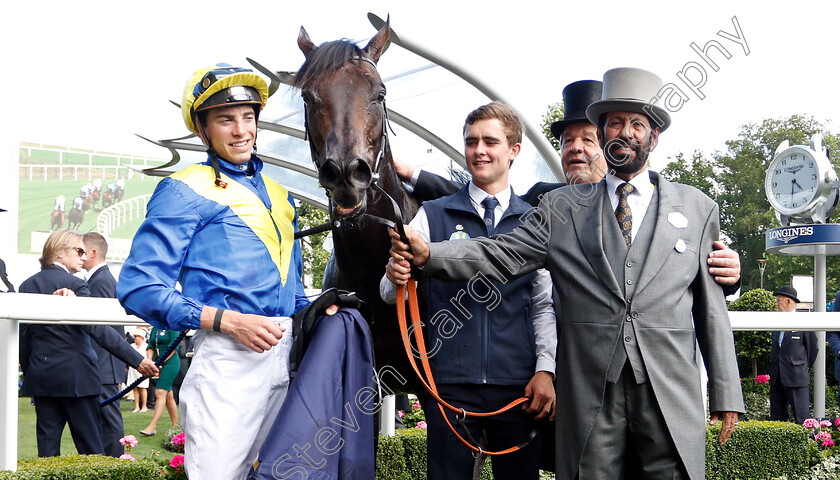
{"x":304,"y":43}
{"x":379,"y":42}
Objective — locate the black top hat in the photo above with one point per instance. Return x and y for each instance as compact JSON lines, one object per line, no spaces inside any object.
{"x":576,"y":97}
{"x":787,"y":291}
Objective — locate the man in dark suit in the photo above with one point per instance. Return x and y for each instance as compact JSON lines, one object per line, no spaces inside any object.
{"x":113,"y":371}
{"x":834,"y":342}
{"x":630,"y":269}
{"x":791,"y":356}
{"x":60,"y":370}
{"x":6,"y":285}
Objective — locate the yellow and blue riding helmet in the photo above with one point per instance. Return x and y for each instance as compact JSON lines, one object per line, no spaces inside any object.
{"x":221,"y":85}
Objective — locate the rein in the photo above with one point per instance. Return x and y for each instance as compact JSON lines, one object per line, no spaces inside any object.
{"x":160,"y":361}
{"x":405,"y":330}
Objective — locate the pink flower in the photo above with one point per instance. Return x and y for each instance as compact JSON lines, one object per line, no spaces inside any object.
{"x":421,"y":424}
{"x":129,"y":440}
{"x":828,"y":442}
{"x":810,"y":423}
{"x":402,"y":414}
{"x":127,"y":456}
{"x":837,"y":422}
{"x":416,"y":405}
{"x":179,"y":439}
{"x":825,"y":423}
{"x":823,"y":436}
{"x":762,"y":379}
{"x":177,"y":461}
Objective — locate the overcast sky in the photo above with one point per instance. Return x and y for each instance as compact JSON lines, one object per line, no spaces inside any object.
{"x":90,"y":74}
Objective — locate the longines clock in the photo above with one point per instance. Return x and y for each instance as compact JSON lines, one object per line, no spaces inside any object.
{"x":801,"y":184}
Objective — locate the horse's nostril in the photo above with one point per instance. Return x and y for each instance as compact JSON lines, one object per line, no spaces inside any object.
{"x":359,"y":173}
{"x":329,"y":174}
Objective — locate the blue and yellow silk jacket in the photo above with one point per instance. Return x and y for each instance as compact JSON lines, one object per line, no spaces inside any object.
{"x":230,"y":248}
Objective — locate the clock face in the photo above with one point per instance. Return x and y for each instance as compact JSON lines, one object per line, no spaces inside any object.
{"x":792,"y":181}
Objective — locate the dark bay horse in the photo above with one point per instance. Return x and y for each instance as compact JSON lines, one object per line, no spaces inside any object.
{"x":56,"y":220}
{"x":346,"y":125}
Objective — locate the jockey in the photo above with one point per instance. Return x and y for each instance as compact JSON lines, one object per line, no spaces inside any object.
{"x":97,"y":184}
{"x":111,"y":187}
{"x":228,"y":231}
{"x":121,"y":184}
{"x":86,"y":189}
{"x":78,"y":202}
{"x":59,"y":203}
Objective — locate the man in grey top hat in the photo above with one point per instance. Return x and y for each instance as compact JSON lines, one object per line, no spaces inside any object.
{"x":627,"y":257}
{"x":792,"y":354}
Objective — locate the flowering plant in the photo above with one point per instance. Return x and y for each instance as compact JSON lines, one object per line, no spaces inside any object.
{"x":128,"y":441}
{"x":175,"y":469}
{"x":823,"y":441}
{"x":174,"y":439}
{"x":762,"y":379}
{"x":421,"y":424}
{"x":413,"y":417}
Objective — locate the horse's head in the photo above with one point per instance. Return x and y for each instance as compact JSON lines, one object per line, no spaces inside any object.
{"x":345,"y":115}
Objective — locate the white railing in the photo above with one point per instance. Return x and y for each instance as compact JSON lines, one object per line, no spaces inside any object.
{"x":27,"y":308}
{"x":121,"y":212}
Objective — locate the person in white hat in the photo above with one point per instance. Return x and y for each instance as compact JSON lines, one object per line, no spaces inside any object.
{"x":629,"y":268}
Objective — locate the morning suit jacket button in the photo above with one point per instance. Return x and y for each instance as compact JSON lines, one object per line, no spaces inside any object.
{"x":627,"y":339}
{"x":629,"y":282}
{"x":629,"y":264}
{"x":629,"y":318}
{"x":634,"y":314}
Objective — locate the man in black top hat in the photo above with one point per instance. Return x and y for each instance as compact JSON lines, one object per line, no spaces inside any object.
{"x":792,"y":354}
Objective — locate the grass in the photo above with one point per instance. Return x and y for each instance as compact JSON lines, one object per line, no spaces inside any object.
{"x":132,"y":423}
{"x":38,"y":196}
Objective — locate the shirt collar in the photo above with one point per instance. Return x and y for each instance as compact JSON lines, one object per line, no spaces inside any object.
{"x":233,"y":169}
{"x":93,"y":269}
{"x":641,"y":183}
{"x":59,"y":264}
{"x":478,"y":195}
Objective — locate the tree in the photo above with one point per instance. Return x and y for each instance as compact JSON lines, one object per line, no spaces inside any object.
{"x":735,"y":180}
{"x":554,"y":114}
{"x":753,"y":346}
{"x":314,"y":256}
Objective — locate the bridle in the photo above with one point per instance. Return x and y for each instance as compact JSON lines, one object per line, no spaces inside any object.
{"x":411,"y":288}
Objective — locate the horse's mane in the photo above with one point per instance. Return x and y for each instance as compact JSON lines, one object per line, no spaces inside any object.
{"x":325,"y":60}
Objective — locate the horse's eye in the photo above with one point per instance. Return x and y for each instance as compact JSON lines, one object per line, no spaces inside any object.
{"x":381,"y":96}
{"x":307,"y":97}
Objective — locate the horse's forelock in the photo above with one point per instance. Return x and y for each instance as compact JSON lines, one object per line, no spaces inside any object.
{"x":325,"y":60}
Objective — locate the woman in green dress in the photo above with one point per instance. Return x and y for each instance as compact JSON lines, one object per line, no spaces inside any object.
{"x":159,"y":341}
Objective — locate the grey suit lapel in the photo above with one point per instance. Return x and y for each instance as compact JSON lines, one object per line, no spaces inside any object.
{"x":588,"y":225}
{"x":665,"y":235}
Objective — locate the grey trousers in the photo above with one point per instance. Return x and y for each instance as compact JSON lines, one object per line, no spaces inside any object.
{"x":630,"y":439}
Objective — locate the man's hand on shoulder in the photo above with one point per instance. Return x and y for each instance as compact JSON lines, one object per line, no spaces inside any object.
{"x":404,"y":170}
{"x":724,"y":264}
{"x":541,"y":391}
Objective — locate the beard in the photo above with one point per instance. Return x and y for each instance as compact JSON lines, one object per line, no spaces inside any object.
{"x":627,"y":163}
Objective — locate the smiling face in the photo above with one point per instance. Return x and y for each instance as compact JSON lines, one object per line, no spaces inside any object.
{"x":488,"y":154}
{"x":581,"y":155}
{"x":232,"y":132}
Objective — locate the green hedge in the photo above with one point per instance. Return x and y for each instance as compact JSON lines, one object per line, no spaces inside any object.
{"x":83,"y":467}
{"x":757,"y":450}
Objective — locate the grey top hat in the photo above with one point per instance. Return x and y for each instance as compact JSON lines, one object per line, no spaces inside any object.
{"x":630,"y":90}
{"x":787,"y":291}
{"x":576,"y":97}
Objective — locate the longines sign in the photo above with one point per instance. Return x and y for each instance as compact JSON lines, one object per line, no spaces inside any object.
{"x":804,"y":239}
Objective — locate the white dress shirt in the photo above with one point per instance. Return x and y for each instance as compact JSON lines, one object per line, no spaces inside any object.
{"x":638,"y":200}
